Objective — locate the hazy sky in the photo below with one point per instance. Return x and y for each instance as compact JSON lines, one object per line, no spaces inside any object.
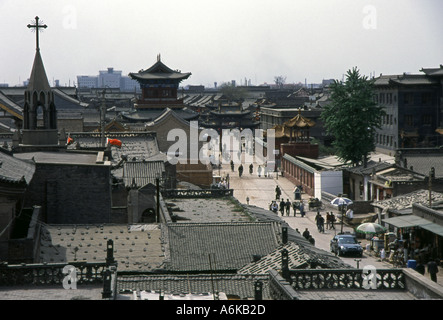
{"x":222,"y":40}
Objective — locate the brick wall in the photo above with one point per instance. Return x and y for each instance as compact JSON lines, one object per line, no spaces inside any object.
{"x":71,"y":194}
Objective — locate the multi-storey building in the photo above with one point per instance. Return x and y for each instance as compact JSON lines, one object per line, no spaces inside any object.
{"x":413,"y":106}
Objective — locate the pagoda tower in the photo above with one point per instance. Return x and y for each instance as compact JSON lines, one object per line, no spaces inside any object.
{"x":159,"y":85}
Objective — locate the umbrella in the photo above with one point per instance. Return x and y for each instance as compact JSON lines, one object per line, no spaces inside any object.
{"x":339,"y":201}
{"x":370,"y":227}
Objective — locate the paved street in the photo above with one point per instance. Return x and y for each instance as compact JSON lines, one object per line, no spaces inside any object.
{"x":261,"y":191}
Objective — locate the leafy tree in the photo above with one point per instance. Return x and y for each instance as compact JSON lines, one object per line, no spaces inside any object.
{"x":352,"y":117}
{"x":233,"y":93}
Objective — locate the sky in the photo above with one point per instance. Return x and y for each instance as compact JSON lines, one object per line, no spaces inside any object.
{"x":305,"y":41}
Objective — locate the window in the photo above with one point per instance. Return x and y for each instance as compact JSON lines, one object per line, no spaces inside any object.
{"x":408,"y":98}
{"x":426,"y":119}
{"x":409,"y":120}
{"x":426,"y":98}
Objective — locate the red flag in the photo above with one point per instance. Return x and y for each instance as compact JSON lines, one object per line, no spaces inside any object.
{"x":115,"y":142}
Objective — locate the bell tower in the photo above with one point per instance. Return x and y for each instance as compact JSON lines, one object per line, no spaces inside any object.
{"x":39,"y":102}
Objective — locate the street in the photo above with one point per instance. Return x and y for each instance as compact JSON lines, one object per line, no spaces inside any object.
{"x":261,"y":191}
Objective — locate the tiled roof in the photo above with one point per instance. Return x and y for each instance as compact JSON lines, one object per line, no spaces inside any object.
{"x":300,"y":257}
{"x":15,"y":170}
{"x":229,"y":246}
{"x":240,"y":285}
{"x":136,"y":248}
{"x":140,"y":173}
{"x":406,"y":200}
{"x":370,"y":167}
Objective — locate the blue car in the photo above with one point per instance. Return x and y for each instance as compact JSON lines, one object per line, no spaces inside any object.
{"x":346,"y":244}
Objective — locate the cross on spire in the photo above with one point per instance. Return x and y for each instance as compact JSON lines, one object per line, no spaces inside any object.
{"x":37,"y":26}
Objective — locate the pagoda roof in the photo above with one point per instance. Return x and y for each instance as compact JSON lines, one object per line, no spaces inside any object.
{"x":299,"y":121}
{"x":159,"y":71}
{"x":433,"y":71}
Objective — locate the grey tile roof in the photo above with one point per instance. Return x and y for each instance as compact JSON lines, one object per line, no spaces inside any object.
{"x":194,"y":245}
{"x":142,"y":173}
{"x":406,"y":200}
{"x":13,"y":169}
{"x":300,"y":257}
{"x":241,"y":286}
{"x":372,"y":165}
{"x":136,"y":247}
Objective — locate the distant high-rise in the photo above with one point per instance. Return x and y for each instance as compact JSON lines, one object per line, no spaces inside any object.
{"x":109,"y":78}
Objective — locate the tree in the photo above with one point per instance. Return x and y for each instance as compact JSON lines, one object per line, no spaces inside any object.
{"x":352,"y":117}
{"x":280,"y":81}
{"x":233,"y":93}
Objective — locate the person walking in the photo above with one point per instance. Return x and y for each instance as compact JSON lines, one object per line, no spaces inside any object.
{"x":259,"y":171}
{"x":232,"y":166}
{"x":433,"y":270}
{"x":282,"y":206}
{"x":322,"y":224}
{"x":328,"y":220}
{"x":251,"y":168}
{"x":302,"y":209}
{"x":294,"y":207}
{"x":240,"y":170}
{"x":317,"y":221}
{"x":277,"y":192}
{"x":332,"y":220}
{"x":288,"y":207}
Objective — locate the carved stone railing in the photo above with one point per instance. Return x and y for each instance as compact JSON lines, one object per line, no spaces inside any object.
{"x":319,"y":279}
{"x":50,"y":274}
{"x":205,"y":193}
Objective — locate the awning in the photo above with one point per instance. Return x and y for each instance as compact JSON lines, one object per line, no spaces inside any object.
{"x":407,"y":221}
{"x":434,"y":228}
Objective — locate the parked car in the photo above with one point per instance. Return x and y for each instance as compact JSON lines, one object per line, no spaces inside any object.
{"x":346,"y":244}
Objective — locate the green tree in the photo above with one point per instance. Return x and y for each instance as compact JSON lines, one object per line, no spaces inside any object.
{"x":233,"y":93}
{"x":352,"y":117}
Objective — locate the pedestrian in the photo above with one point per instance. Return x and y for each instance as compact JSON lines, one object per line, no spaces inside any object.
{"x":302,"y":209}
{"x":282,"y":206}
{"x":274,"y":206}
{"x":266,"y":171}
{"x":306,"y":234}
{"x":322,"y":224}
{"x":277,"y":192}
{"x":259,"y":171}
{"x":332,"y":221}
{"x":296,"y":230}
{"x":232,"y":166}
{"x":420,"y":268}
{"x":433,"y":269}
{"x":288,"y":207}
{"x":240,"y":170}
{"x":317,"y":220}
{"x":294,"y":207}
{"x":328,"y":220}
{"x":251,"y":168}
{"x":247,"y":200}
